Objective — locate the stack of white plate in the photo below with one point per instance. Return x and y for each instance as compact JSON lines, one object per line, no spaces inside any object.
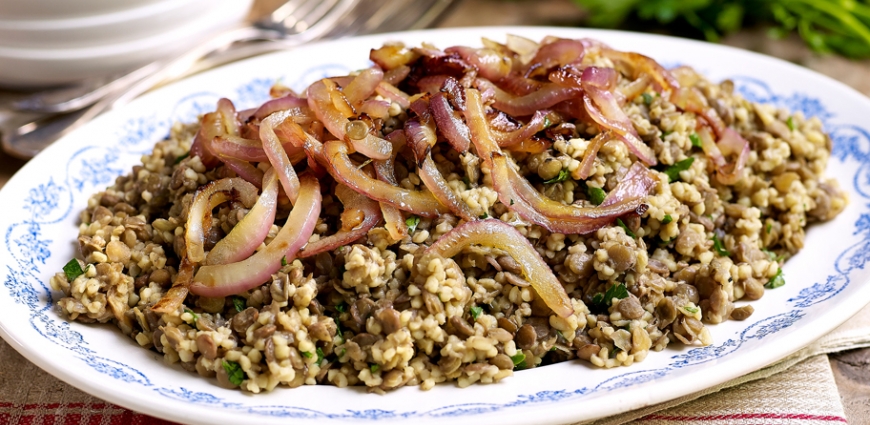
{"x":50,"y":42}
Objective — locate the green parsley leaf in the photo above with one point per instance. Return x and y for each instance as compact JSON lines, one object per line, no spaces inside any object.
{"x":668,"y":219}
{"x":596,"y":194}
{"x":181,"y":158}
{"x":73,"y":269}
{"x":195,"y":316}
{"x":696,"y":141}
{"x":412,"y":223}
{"x":476,"y":312}
{"x":624,"y":227}
{"x":483,"y":216}
{"x":647,"y":98}
{"x":375,"y":368}
{"x":598,"y":298}
{"x":719,"y":246}
{"x":342,"y":353}
{"x":547,"y":121}
{"x":790,"y":123}
{"x":519,"y":360}
{"x":690,"y":309}
{"x":512,"y":201}
{"x":341,"y":308}
{"x":239,"y":303}
{"x":338,"y":331}
{"x":663,"y":242}
{"x":618,"y":291}
{"x":563,"y":175}
{"x":234,"y":372}
{"x":467,"y":182}
{"x":673,"y":171}
{"x":307,"y":354}
{"x":283,"y":261}
{"x":769,"y":227}
{"x":320,"y":355}
{"x":776,"y":281}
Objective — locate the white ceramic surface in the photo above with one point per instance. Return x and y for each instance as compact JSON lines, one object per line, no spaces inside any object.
{"x":54,"y":9}
{"x":24,"y":67}
{"x":825,"y":283}
{"x":103,"y":29}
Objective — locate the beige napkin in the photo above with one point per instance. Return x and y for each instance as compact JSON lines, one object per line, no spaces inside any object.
{"x":800,"y":389}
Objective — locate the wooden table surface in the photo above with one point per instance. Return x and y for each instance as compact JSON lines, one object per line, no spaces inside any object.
{"x":851,"y":369}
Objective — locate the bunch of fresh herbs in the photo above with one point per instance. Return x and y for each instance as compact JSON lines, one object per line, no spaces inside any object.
{"x":841,"y":26}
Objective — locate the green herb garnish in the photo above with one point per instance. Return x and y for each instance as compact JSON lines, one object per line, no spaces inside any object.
{"x":624,"y":227}
{"x":776,"y":281}
{"x":283,"y":261}
{"x":475,"y":312}
{"x":691,"y":309}
{"x":483,"y":216}
{"x":341,"y":308}
{"x":647,"y":98}
{"x":547,"y":122}
{"x":668,"y":219}
{"x":234,"y":372}
{"x":338,"y":331}
{"x":769,"y":227}
{"x":467,"y":182}
{"x":342,"y":353}
{"x":596,"y":194}
{"x":598,"y":298}
{"x":307,"y":354}
{"x":618,"y":291}
{"x":195,"y":316}
{"x":563,"y":175}
{"x":512,"y":201}
{"x":696,"y":141}
{"x":790,"y":123}
{"x":719,"y":246}
{"x":519,"y":360}
{"x":239,"y":304}
{"x":375,"y":368}
{"x":412,"y":223}
{"x":73,"y":269}
{"x":673,"y":171}
{"x":181,"y":158}
{"x":320,"y":355}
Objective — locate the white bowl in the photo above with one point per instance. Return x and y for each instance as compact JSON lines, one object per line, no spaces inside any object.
{"x":22,"y":67}
{"x":107,"y":28}
{"x":51,"y":9}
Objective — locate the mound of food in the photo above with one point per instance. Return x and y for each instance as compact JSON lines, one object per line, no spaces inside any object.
{"x":452,"y":214}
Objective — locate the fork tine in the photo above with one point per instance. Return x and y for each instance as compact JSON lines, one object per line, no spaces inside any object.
{"x":315,"y":15}
{"x":288,"y":9}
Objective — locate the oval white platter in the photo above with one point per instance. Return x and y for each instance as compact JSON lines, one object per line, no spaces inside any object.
{"x":826,"y":282}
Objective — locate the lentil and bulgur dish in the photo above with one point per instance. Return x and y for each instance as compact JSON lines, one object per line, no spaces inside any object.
{"x":452,"y":215}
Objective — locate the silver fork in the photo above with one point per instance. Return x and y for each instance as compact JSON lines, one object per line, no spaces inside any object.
{"x":294,"y":23}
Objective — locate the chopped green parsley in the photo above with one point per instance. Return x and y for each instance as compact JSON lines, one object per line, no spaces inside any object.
{"x":375,"y":368}
{"x":690,"y":309}
{"x":647,"y":98}
{"x":283,"y":261}
{"x":624,"y":227}
{"x":719,"y":246}
{"x":696,"y":141}
{"x":412,"y":223}
{"x":519,"y":360}
{"x":307,"y":354}
{"x":769,"y":228}
{"x":195,"y":316}
{"x":776,"y":281}
{"x":476,"y":312}
{"x":790,"y":123}
{"x":341,"y":308}
{"x":563,"y":175}
{"x":181,"y":158}
{"x":596,"y":194}
{"x":673,"y":171}
{"x":483,"y":216}
{"x":239,"y":304}
{"x":668,"y":219}
{"x":72,"y":270}
{"x":320,"y":356}
{"x":234,"y":372}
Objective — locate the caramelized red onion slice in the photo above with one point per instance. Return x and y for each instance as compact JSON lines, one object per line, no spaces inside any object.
{"x":588,"y":162}
{"x":431,"y":83}
{"x":731,"y":144}
{"x":547,"y":96}
{"x":558,"y":53}
{"x":436,"y":184}
{"x":360,"y":215}
{"x":481,"y":135}
{"x":449,"y":122}
{"x":391,"y":92}
{"x":209,"y":127}
{"x":519,"y":85}
{"x":394,"y":220}
{"x":228,"y":279}
{"x":205,"y":199}
{"x":489,"y":63}
{"x":420,"y":138}
{"x":640,"y":65}
{"x":230,"y":121}
{"x":288,"y":102}
{"x":497,"y":234}
{"x":346,"y":172}
{"x":603,"y":108}
{"x":320,"y":101}
{"x":397,"y":75}
{"x":690,"y":99}
{"x":536,"y":124}
{"x":375,"y":108}
{"x":277,"y":156}
{"x":245,"y":170}
{"x":363,"y":85}
{"x":252,"y":230}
